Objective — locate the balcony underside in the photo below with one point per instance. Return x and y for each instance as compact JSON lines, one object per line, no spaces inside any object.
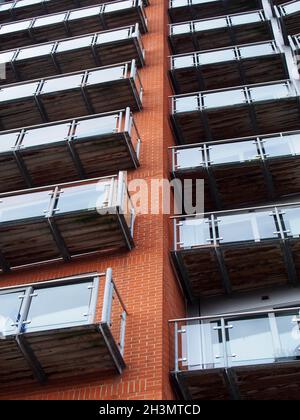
{"x":69,"y":104}
{"x":245,"y":184}
{"x":238,"y":267}
{"x":64,"y":162}
{"x":58,"y":354}
{"x":237,"y":121}
{"x":73,"y":28}
{"x":30,"y":241}
{"x":276,"y":381}
{"x":223,"y":37}
{"x":207,"y":10}
{"x":229,"y":74}
{"x":75,"y":60}
{"x":291,"y":24}
{"x":49,"y":7}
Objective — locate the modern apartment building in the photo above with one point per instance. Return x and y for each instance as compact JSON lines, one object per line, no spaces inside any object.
{"x":99,"y":300}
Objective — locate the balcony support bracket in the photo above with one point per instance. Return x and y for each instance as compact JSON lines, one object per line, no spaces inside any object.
{"x":31,"y":359}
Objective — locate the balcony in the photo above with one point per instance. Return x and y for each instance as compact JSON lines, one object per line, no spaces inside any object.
{"x":72,"y":23}
{"x":237,"y":250}
{"x":236,"y":112}
{"x":22,"y":9}
{"x":289,"y":15}
{"x":69,"y":150}
{"x":240,"y":356}
{"x":222,"y":68}
{"x":46,"y":336}
{"x":180,"y":10}
{"x":244,"y":171}
{"x":74,"y":54}
{"x":69,"y":96}
{"x":65,"y":221}
{"x":220,"y":32}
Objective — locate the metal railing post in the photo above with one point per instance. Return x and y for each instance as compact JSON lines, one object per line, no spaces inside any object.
{"x":106,"y":308}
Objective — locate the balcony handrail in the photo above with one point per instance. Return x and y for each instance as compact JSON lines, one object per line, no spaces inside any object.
{"x":134,"y":33}
{"x":227,"y":17}
{"x":188,"y":3}
{"x":236,"y":211}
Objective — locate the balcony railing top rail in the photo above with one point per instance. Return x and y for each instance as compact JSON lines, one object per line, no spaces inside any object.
{"x":288,"y":8}
{"x":69,"y":16}
{"x":202,"y":25}
{"x":217,"y":55}
{"x":200,"y":101}
{"x":82,"y":41}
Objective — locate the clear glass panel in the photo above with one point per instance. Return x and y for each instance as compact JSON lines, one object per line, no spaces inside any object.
{"x":204,"y":25}
{"x":183,"y":61}
{"x":294,"y":142}
{"x":180,"y":29}
{"x":49,"y":20}
{"x":45,"y":135}
{"x":24,"y":206}
{"x":257,"y":50}
{"x":179,"y":3}
{"x":216,"y":56}
{"x":232,"y":152}
{"x":96,"y":126}
{"x":276,"y":91}
{"x":186,"y":103}
{"x":10,"y":307}
{"x":105,"y":75}
{"x":7,"y":142}
{"x":35,"y":51}
{"x":18,"y":91}
{"x":23,"y":3}
{"x":104,"y":37}
{"x":226,"y":98}
{"x":112,"y":7}
{"x":278,"y":146}
{"x":189,"y":158}
{"x":83,"y":197}
{"x":292,"y":7}
{"x":6,"y":57}
{"x":59,"y":306}
{"x":6,"y":6}
{"x":291,"y":217}
{"x":15,"y":27}
{"x":249,"y":341}
{"x":246,"y":18}
{"x":246,"y":227}
{"x":289,"y":335}
{"x":62,"y":83}
{"x":72,"y":44}
{"x":193,"y":232}
{"x":81,"y":13}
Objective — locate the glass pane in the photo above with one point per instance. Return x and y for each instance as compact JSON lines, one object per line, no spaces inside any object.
{"x":18,"y":91}
{"x":14,"y":27}
{"x":232,"y":152}
{"x":59,"y":306}
{"x":112,"y":7}
{"x":289,"y":335}
{"x":101,"y":76}
{"x":7,"y":141}
{"x":62,"y":83}
{"x":246,"y":227}
{"x":179,"y":3}
{"x":204,"y":25}
{"x":45,"y":135}
{"x":183,"y":61}
{"x":6,"y":57}
{"x":245,"y":18}
{"x":23,"y":3}
{"x":216,"y":56}
{"x":250,"y":341}
{"x":294,"y":142}
{"x":278,"y":91}
{"x":49,"y":20}
{"x":193,"y":232}
{"x":83,"y":197}
{"x":102,"y":38}
{"x":256,"y":50}
{"x":81,"y":13}
{"x":291,"y":217}
{"x":10,"y":307}
{"x":35,"y":51}
{"x":24,"y":206}
{"x":186,"y":103}
{"x":96,"y":126}
{"x":180,"y":29}
{"x":220,"y":99}
{"x":277,"y":146}
{"x":292,"y":7}
{"x":189,"y":158}
{"x":72,"y":44}
{"x":6,"y":6}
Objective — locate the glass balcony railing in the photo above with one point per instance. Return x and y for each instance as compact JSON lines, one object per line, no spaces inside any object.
{"x":229,"y":97}
{"x":237,"y":339}
{"x":239,"y":226}
{"x":32,"y":311}
{"x":237,"y":53}
{"x":289,"y":8}
{"x":231,"y":152}
{"x":204,"y":25}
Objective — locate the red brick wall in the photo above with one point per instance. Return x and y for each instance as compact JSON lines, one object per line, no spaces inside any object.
{"x":144,"y":276}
